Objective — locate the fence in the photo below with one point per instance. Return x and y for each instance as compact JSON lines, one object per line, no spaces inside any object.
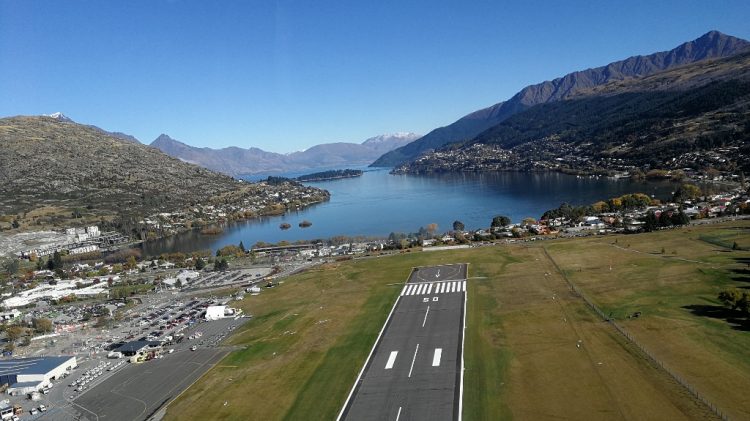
{"x":690,"y":388}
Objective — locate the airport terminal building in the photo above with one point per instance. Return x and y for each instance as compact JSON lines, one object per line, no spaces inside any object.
{"x":25,"y":375}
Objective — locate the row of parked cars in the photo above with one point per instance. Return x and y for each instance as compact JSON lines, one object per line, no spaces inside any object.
{"x":90,"y":375}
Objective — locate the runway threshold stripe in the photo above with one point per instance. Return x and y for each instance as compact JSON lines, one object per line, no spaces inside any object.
{"x":422,"y":289}
{"x":463,"y":286}
{"x":391,"y":360}
{"x":429,"y":288}
{"x":453,"y":287}
{"x":412,"y":288}
{"x":439,"y":289}
{"x":436,"y":357}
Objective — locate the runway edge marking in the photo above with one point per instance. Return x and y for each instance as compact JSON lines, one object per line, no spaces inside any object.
{"x":372,"y":350}
{"x":463,"y":340}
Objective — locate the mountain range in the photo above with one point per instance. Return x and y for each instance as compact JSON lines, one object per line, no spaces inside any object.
{"x":240,"y":161}
{"x":712,"y":45}
{"x":693,"y":118}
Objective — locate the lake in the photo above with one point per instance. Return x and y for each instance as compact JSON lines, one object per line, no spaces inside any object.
{"x":378,"y":203}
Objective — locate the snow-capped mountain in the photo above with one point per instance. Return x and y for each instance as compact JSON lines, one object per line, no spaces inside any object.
{"x":60,"y":117}
{"x":398,"y":137}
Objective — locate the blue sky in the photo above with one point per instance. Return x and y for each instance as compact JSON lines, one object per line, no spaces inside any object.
{"x":285,"y":75}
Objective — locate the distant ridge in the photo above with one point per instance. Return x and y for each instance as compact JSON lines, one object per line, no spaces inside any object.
{"x":713,"y":44}
{"x":237,"y":161}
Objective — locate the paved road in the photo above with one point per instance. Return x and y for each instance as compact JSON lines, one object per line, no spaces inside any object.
{"x":415,"y":370}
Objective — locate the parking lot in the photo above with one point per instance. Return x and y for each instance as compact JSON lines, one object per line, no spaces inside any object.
{"x":119,"y":390}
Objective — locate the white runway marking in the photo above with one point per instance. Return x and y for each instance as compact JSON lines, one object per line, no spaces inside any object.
{"x":425,"y":315}
{"x":391,"y":360}
{"x":436,"y":357}
{"x":463,"y":286}
{"x":421,"y":288}
{"x":429,"y":289}
{"x":440,"y":288}
{"x":413,"y":290}
{"x":453,"y":287}
{"x":413,"y":359}
{"x":399,"y":413}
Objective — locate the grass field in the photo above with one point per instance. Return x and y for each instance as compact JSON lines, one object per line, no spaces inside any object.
{"x":534,"y":350}
{"x":682,"y":322}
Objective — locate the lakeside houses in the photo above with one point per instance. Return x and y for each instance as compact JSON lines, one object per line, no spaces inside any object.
{"x":551,"y":154}
{"x":267,"y":199}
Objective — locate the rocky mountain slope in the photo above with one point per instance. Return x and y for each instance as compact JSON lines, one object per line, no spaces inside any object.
{"x":237,"y":161}
{"x":72,"y":168}
{"x":713,"y":44}
{"x":695,"y":116}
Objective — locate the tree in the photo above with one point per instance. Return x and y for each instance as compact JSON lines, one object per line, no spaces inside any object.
{"x":500,"y":221}
{"x":42,"y":325}
{"x":528,"y":221}
{"x":57,"y":260}
{"x":686,"y":192}
{"x":200,"y":263}
{"x":431,"y":228}
{"x":11,"y":266}
{"x":458,"y":225}
{"x":731,"y":298}
{"x":131,"y":263}
{"x":14,"y":332}
{"x":650,"y":223}
{"x":744,"y":303}
{"x":221,"y":264}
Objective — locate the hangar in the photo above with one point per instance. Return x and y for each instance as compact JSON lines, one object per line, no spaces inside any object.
{"x":24,"y":375}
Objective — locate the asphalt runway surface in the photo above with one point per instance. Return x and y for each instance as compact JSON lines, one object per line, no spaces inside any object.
{"x":416,"y":367}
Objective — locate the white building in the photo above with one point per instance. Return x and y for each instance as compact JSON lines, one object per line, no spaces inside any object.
{"x":220,"y":312}
{"x":26,"y":375}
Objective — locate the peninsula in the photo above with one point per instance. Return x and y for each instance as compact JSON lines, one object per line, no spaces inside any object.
{"x":330,"y":175}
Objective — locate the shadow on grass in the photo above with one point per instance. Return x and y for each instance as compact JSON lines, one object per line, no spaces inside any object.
{"x":733,"y":317}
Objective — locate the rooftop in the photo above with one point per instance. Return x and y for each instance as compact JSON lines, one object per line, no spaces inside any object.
{"x":26,"y":366}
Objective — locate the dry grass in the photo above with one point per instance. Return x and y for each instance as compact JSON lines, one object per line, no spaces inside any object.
{"x":682,"y":322}
{"x":309,"y":338}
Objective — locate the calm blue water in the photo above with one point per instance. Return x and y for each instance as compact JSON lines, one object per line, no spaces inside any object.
{"x":378,"y":203}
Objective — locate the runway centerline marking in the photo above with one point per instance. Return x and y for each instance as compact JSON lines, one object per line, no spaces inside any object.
{"x":412,"y":360}
{"x":391,"y":360}
{"x":398,"y":415}
{"x":425,"y":315}
{"x":436,"y":357}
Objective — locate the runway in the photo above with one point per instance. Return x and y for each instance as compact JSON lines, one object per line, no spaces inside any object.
{"x":415,"y":369}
